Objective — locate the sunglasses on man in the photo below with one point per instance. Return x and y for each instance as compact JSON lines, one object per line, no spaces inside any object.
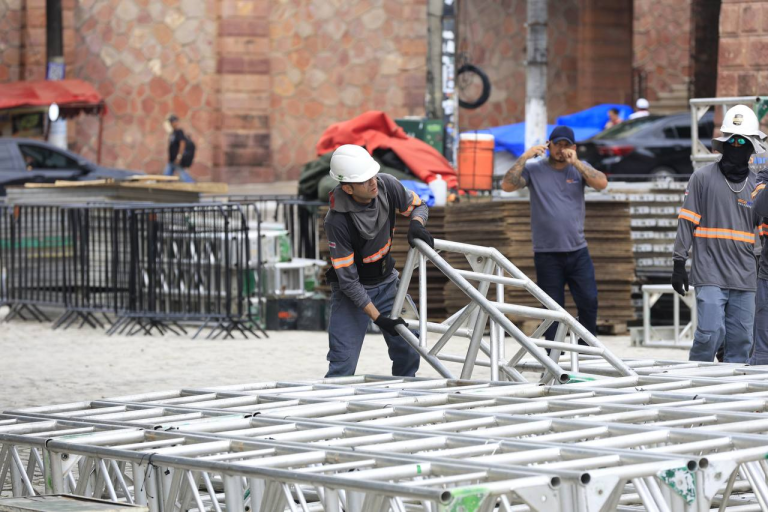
{"x":737,"y":140}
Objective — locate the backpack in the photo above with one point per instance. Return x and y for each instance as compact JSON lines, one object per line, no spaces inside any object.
{"x":189,"y":153}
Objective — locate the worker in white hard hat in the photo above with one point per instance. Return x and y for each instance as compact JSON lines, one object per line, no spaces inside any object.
{"x":360,"y":226}
{"x":718,"y":220}
{"x":641,"y":108}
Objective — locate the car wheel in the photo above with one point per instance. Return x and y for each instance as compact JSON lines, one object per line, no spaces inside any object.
{"x":663,"y":174}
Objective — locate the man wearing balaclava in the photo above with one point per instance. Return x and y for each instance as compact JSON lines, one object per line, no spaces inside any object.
{"x":718,"y":220}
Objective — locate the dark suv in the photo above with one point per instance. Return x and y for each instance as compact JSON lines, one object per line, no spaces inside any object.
{"x":652,"y":146}
{"x":33,"y":161}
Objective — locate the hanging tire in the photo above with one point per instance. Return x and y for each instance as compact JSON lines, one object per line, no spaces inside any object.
{"x":480,"y":101}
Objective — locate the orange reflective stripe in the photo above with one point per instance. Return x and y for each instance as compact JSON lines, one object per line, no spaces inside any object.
{"x":689,"y":212}
{"x":758,"y":189}
{"x":731,"y":231}
{"x":414,"y":203}
{"x":724,"y":234}
{"x":343,"y":262}
{"x":687,"y":216}
{"x":379,"y":254}
{"x":763,"y":229}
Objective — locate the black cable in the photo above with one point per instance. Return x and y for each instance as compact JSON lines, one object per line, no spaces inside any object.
{"x":486,"y":92}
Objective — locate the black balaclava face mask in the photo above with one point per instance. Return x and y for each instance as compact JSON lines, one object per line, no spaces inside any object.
{"x":735,"y":162}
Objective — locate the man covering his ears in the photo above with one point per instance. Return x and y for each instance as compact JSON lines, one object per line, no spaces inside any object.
{"x":360,"y":227}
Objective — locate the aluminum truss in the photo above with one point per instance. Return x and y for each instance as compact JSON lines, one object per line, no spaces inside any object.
{"x":642,"y":443}
{"x":491,"y":268}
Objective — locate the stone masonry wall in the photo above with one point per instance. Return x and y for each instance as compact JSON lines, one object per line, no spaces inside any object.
{"x":588,"y":56}
{"x":743,"y":56}
{"x":331,"y":60}
{"x":662,"y":43}
{"x":22,"y":38}
{"x":243,"y":153}
{"x":256,"y":82}
{"x":148,"y":58}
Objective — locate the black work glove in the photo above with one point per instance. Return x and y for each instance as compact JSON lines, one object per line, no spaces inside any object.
{"x":680,"y":277}
{"x":417,"y":230}
{"x":388,"y":325}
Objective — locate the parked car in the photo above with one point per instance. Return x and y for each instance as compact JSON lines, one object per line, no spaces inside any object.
{"x":652,"y":146}
{"x":33,"y":161}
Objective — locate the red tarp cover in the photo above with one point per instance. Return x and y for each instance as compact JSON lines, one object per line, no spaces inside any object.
{"x":70,"y":92}
{"x":376,"y":130}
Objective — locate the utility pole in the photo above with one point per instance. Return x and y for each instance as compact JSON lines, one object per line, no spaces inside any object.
{"x":54,"y":46}
{"x":536,"y":74}
{"x":54,"y":37}
{"x":434,"y":59}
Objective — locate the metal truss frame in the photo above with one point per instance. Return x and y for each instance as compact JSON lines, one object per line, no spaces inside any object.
{"x":491,"y":268}
{"x":652,"y":442}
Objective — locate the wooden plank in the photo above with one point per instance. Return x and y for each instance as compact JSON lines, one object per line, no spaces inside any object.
{"x":201,"y":188}
{"x":152,"y":177}
{"x":71,"y":184}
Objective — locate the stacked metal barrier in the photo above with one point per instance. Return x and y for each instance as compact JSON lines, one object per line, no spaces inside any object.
{"x":299,"y":216}
{"x":96,"y":277}
{"x":34,"y":247}
{"x":150,"y":267}
{"x":373,"y":443}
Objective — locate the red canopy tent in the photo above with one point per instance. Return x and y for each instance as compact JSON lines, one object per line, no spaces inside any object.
{"x":73,"y":97}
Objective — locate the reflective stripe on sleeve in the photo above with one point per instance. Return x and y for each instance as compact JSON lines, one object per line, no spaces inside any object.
{"x":689,"y":216}
{"x":343,"y":262}
{"x":414,"y":203}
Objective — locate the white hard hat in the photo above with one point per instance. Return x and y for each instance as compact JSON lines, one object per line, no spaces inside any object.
{"x":740,"y":120}
{"x":642,"y":104}
{"x":353,"y":164}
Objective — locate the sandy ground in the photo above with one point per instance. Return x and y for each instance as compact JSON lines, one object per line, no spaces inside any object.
{"x":39,"y":366}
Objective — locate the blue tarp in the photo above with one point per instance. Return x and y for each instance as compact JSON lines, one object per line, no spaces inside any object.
{"x":594,"y":117}
{"x":585,"y":124}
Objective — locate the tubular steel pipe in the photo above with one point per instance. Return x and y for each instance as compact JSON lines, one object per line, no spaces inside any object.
{"x":486,"y":306}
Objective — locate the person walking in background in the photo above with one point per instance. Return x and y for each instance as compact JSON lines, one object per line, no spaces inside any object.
{"x":560,"y":252}
{"x":181,"y":151}
{"x":641,"y":109}
{"x":718,"y":220}
{"x":613,"y":118}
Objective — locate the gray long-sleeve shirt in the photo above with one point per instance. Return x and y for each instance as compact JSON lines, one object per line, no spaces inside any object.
{"x":718,"y":220}
{"x":406,"y":203}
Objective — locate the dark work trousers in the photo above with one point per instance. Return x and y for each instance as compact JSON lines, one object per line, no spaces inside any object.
{"x":556,"y":269}
{"x":347,"y":327}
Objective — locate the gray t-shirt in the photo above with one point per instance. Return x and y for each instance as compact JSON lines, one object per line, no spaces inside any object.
{"x":720,"y":226}
{"x":557,"y":207}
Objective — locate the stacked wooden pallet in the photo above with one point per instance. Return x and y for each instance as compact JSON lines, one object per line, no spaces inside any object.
{"x":653,"y":210}
{"x":436,"y":281}
{"x":506,"y":225}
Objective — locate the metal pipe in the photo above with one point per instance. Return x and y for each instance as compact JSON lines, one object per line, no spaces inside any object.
{"x":499,"y":317}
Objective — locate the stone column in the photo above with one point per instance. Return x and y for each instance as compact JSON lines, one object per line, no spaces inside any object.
{"x":243,"y":67}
